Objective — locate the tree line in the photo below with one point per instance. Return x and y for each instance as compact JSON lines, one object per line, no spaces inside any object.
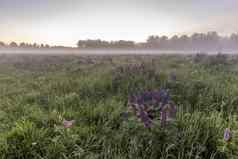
{"x":197,"y":41}
{"x":30,"y":46}
{"x":210,"y":41}
{"x":23,"y":45}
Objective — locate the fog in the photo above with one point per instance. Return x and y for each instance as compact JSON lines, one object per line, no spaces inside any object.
{"x":105,"y":51}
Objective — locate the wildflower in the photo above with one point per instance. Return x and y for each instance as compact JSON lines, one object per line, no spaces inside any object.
{"x":164,"y":97}
{"x":142,"y":66}
{"x":140,"y":100}
{"x":143,"y":115}
{"x":147,"y":96}
{"x":67,"y":124}
{"x":156,"y":96}
{"x":144,"y":106}
{"x":227,"y":135}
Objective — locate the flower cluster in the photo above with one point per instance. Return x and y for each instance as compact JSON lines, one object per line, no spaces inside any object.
{"x":227,"y":135}
{"x":146,"y":105}
{"x":68,"y":123}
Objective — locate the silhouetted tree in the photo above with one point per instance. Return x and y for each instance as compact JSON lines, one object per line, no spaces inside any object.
{"x":2,"y":44}
{"x":234,"y":41}
{"x":174,"y":43}
{"x":212,"y":41}
{"x":47,"y":46}
{"x":42,"y":46}
{"x":35,"y":45}
{"x":200,"y":42}
{"x":153,"y":41}
{"x":184,"y":42}
{"x":123,"y":44}
{"x":163,"y":42}
{"x":13,"y":44}
{"x":22,"y":45}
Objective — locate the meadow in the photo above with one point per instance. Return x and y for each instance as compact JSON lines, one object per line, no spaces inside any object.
{"x":119,"y":107}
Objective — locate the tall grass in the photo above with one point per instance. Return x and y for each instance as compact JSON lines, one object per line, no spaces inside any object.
{"x":37,"y":96}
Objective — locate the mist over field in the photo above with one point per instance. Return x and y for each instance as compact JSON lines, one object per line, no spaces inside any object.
{"x":106,"y":52}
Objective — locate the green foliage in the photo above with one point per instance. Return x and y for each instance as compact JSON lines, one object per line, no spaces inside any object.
{"x":38,"y":94}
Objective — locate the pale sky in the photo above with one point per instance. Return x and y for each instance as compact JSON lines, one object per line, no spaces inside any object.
{"x":64,"y":22}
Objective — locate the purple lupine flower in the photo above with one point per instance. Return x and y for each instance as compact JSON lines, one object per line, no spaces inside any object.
{"x":143,"y":106}
{"x":140,"y":100}
{"x":164,"y":97}
{"x":143,"y":115}
{"x":227,"y":135}
{"x":147,"y":96}
{"x":142,"y":66}
{"x":156,"y":96}
{"x":132,"y":99}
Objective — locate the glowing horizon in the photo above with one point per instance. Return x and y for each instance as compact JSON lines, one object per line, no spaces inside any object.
{"x":59,"y":22}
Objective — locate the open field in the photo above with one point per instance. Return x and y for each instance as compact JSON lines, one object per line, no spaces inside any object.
{"x":118,"y":107}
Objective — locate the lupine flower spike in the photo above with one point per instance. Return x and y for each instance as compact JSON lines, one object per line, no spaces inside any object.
{"x":144,"y":106}
{"x":143,"y":115}
{"x":227,"y":135}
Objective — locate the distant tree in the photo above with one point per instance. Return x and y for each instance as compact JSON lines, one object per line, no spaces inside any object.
{"x":42,"y":46}
{"x":28,"y":45}
{"x":105,"y":44}
{"x":233,"y":41}
{"x":163,"y":42}
{"x":35,"y":45}
{"x":153,"y":41}
{"x":174,"y":42}
{"x":212,"y":41}
{"x":2,"y":44}
{"x":22,"y":45}
{"x":81,"y":44}
{"x":184,"y":42}
{"x":47,"y":46}
{"x":13,"y":44}
{"x":123,"y":44}
{"x":200,"y":42}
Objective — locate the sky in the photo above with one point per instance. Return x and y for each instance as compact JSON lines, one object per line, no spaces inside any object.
{"x":64,"y":22}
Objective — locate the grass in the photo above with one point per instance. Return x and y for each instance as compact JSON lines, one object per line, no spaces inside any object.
{"x":39,"y":91}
